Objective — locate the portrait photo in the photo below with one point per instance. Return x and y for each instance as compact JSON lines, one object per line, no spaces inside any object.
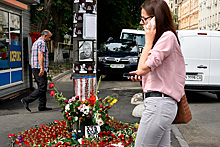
{"x":85,"y":50}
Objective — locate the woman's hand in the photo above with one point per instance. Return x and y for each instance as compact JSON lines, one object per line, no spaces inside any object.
{"x":150,"y":32}
{"x":136,"y":77}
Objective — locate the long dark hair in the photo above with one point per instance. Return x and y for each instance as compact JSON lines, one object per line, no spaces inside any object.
{"x":164,"y":21}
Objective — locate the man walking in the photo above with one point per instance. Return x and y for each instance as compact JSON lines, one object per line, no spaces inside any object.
{"x":39,"y":65}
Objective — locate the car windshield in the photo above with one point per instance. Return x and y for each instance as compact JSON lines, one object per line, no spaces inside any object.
{"x":120,"y":47}
{"x":140,"y":38}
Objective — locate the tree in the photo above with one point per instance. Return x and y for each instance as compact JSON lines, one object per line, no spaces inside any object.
{"x":55,"y":15}
{"x":175,"y":20}
{"x":41,"y":14}
{"x":114,"y":15}
{"x":62,"y":14}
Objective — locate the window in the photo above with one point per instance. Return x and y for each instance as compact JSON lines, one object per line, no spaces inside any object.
{"x":10,"y":48}
{"x":4,"y":40}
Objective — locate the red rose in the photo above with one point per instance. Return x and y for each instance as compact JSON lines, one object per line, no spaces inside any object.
{"x":52,"y":93}
{"x":101,"y":106}
{"x":69,"y":118}
{"x":66,"y":101}
{"x":77,"y":97}
{"x":51,"y":85}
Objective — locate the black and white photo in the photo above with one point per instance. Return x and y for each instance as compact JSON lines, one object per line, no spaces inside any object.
{"x":85,"y":51}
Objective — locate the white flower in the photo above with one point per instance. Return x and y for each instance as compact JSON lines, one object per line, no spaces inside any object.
{"x":100,"y":122}
{"x":67,"y":107}
{"x":76,"y":118}
{"x":96,"y":115}
{"x":86,"y":110}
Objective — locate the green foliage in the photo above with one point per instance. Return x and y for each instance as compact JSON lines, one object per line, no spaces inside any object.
{"x":64,"y":13}
{"x":114,"y":15}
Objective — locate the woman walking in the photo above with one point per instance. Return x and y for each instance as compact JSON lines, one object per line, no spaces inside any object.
{"x":162,"y":68}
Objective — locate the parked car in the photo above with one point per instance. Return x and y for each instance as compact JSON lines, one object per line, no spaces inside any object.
{"x":202,"y":59}
{"x":117,"y":57}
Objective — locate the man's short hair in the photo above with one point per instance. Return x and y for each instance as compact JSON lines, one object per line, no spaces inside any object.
{"x":45,"y":33}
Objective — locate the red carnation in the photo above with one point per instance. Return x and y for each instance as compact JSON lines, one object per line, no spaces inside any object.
{"x":101,"y":106}
{"x":52,"y":93}
{"x":69,"y":118}
{"x":66,"y":101}
{"x":51,"y":85}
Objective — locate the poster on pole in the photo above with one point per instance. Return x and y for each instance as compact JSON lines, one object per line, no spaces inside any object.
{"x":89,"y":26}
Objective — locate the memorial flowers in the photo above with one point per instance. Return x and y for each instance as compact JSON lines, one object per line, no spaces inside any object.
{"x":65,"y":133}
{"x":93,"y":108}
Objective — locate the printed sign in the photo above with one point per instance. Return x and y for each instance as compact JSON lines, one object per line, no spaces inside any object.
{"x":79,"y":17}
{"x":92,"y":131}
{"x":89,"y":7}
{"x":15,"y":56}
{"x":79,"y":31}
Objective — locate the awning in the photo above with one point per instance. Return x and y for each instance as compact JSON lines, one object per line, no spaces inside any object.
{"x":30,"y":2}
{"x":16,"y":4}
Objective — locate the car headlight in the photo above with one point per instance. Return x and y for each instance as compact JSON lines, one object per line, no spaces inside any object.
{"x":133,"y":60}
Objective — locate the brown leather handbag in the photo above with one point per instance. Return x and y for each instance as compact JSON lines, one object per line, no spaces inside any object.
{"x":183,"y":113}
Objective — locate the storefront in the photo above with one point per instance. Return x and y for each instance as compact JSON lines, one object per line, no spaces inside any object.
{"x":13,"y":63}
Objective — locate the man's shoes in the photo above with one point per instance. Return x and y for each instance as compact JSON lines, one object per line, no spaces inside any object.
{"x":44,"y":109}
{"x":25,"y":105}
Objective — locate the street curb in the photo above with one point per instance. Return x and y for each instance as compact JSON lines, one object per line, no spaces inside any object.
{"x":61,"y":75}
{"x":179,"y":136}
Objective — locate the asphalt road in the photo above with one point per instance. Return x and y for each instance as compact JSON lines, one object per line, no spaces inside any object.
{"x":204,"y":128}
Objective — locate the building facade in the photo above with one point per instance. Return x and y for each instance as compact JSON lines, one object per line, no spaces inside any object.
{"x":14,"y":29}
{"x":188,"y":14}
{"x":173,"y":4}
{"x":209,"y":17}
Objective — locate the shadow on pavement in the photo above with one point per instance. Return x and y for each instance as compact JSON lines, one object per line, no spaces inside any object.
{"x":201,"y":97}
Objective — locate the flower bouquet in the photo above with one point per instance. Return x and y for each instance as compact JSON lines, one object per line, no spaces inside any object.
{"x":92,"y":109}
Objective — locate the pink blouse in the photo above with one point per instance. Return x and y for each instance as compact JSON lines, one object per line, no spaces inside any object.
{"x":167,"y":65}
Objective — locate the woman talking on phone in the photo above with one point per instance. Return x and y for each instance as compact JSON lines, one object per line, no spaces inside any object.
{"x":162,"y":68}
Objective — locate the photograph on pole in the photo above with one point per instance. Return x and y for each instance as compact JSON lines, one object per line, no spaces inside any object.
{"x":85,"y":50}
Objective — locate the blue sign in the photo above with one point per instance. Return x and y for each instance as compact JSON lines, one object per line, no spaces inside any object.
{"x":15,"y":56}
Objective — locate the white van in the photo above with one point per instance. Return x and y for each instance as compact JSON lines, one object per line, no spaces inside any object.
{"x":201,"y":51}
{"x":134,"y":34}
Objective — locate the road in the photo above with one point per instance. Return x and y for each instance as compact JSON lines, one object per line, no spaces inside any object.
{"x":204,"y":128}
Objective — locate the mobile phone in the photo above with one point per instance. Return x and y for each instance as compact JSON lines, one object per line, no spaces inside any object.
{"x":151,"y":22}
{"x":129,"y":75}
